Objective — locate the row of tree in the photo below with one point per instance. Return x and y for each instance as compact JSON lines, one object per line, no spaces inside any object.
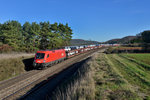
{"x":34,"y":36}
{"x":143,"y":37}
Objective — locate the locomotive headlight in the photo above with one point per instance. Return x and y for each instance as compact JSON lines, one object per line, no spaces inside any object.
{"x":44,"y":61}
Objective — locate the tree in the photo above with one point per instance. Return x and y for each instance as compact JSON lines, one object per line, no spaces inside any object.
{"x":35,"y":33}
{"x":11,"y":34}
{"x":146,"y":36}
{"x":65,"y":33}
{"x":138,"y":39}
{"x":45,"y":35}
{"x":54,"y":27}
{"x":31,"y":37}
{"x":26,"y":36}
{"x":1,"y":35}
{"x":31,"y":33}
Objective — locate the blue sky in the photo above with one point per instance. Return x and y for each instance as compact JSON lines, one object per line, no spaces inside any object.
{"x":98,"y":20}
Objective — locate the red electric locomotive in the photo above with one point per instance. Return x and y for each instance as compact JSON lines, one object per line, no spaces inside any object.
{"x":46,"y":58}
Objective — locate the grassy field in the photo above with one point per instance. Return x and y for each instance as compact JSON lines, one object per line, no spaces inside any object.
{"x":134,"y":70}
{"x":110,"y":77}
{"x":145,"y":58}
{"x":78,"y":86}
{"x":110,"y":82}
{"x":103,"y":77}
{"x":14,"y":64}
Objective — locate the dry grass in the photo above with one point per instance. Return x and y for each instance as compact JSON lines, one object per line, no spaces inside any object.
{"x":12,"y":65}
{"x":105,"y":77}
{"x":80,"y":86}
{"x":15,"y":55}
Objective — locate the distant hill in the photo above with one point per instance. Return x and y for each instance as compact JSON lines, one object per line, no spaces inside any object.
{"x":82,"y":42}
{"x":126,"y":39}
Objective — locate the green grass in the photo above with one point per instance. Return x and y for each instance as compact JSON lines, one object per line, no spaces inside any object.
{"x":108,"y":77}
{"x":110,"y":83}
{"x":135,"y":74}
{"x":145,"y":58}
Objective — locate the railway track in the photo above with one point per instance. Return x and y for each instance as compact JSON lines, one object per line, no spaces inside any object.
{"x":20,"y":85}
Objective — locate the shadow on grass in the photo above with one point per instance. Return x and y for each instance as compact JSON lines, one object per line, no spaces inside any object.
{"x":45,"y":89}
{"x":28,"y":64}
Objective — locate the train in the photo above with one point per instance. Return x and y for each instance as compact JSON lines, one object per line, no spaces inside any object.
{"x":46,"y":58}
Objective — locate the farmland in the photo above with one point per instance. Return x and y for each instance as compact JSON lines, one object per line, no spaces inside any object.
{"x":102,"y":76}
{"x":110,"y":77}
{"x":122,"y":76}
{"x":145,"y":58}
{"x":125,"y":49}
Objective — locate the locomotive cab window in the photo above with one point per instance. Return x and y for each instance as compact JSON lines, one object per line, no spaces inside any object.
{"x":47,"y":55}
{"x":40,"y":55}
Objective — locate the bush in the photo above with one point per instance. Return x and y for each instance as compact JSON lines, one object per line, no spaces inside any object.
{"x":5,"y":48}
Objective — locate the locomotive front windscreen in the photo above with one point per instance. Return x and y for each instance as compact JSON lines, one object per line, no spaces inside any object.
{"x":40,"y":55}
